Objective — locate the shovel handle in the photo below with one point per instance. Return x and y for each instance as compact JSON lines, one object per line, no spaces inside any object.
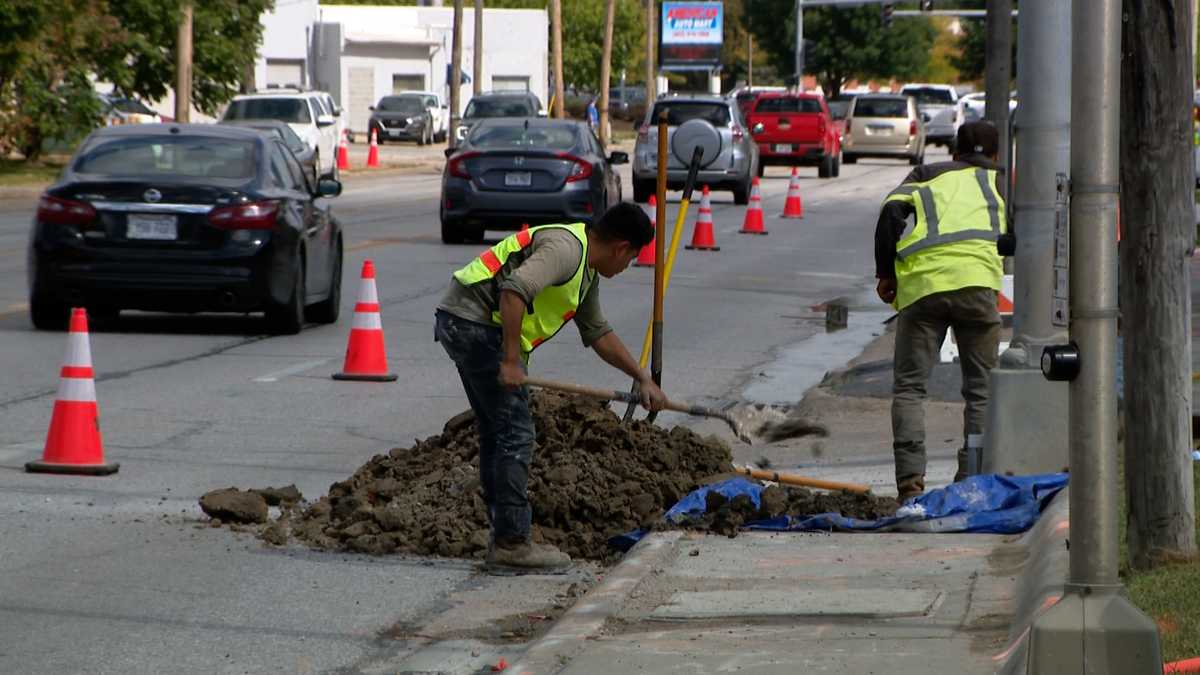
{"x":803,"y":481}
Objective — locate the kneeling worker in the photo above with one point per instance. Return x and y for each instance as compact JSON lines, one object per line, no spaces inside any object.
{"x":501,"y":307}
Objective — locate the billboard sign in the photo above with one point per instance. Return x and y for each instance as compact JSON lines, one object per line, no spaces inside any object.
{"x":690,"y":35}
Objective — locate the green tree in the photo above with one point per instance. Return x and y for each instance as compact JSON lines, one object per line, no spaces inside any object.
{"x":972,"y":59}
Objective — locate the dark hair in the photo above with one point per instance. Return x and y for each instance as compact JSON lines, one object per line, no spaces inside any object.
{"x":978,"y":138}
{"x":625,"y":222}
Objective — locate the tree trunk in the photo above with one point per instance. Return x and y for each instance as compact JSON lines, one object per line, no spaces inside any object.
{"x":1157,"y":223}
{"x":605,"y":68}
{"x":456,"y":73}
{"x":651,"y":25}
{"x":477,"y":47}
{"x":556,"y":33}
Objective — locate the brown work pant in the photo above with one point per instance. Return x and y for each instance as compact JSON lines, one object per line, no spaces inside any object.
{"x":920,"y":331}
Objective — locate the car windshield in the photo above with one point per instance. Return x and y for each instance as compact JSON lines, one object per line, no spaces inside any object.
{"x":881,"y":107}
{"x":128,"y":105}
{"x":292,"y":110}
{"x":930,"y":95}
{"x":549,"y":138}
{"x":186,"y":156}
{"x":408,"y":105}
{"x":838,"y":109}
{"x":787,"y":104}
{"x":499,"y":107}
{"x":679,"y":112}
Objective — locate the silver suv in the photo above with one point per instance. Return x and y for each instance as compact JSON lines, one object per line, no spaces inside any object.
{"x":730,"y":159}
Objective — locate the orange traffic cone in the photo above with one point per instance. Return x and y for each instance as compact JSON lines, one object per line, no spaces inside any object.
{"x":793,"y":207}
{"x":646,"y":255}
{"x":702,"y":236}
{"x":73,"y":443}
{"x":524,"y":227}
{"x":373,"y":153}
{"x":753,"y":223}
{"x":366,"y":359}
{"x":343,"y":153}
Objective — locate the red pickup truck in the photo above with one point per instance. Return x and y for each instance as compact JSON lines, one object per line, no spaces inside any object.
{"x":794,"y":129}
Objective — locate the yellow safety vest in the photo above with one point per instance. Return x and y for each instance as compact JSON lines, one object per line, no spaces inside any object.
{"x":953,"y":245}
{"x":554,"y":306}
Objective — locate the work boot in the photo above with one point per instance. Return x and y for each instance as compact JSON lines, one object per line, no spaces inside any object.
{"x":910,"y":486}
{"x":526,"y":557}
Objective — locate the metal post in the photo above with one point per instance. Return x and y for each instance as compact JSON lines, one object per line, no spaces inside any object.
{"x":477,"y":75}
{"x":1094,"y":629}
{"x":606,"y":69}
{"x":998,"y":75}
{"x":455,"y":77}
{"x":556,"y":47}
{"x":1043,"y":153}
{"x":799,"y":45}
{"x":651,"y":25}
{"x":183,"y":66}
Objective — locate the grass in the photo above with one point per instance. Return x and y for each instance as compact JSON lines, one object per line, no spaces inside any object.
{"x":1170,"y":594}
{"x":19,"y":172}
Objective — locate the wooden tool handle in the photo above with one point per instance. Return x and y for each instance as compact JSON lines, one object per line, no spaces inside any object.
{"x":804,"y":481}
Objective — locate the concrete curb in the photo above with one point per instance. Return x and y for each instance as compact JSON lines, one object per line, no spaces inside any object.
{"x":1042,"y":578}
{"x":554,"y":650}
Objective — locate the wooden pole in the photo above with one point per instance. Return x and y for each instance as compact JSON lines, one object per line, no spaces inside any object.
{"x":477,"y":72}
{"x":605,"y":68}
{"x":183,"y":66}
{"x":455,"y":82}
{"x":651,"y":25}
{"x":1157,"y":237}
{"x":556,"y":47}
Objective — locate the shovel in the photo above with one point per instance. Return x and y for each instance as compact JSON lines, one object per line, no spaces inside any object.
{"x":634,"y":399}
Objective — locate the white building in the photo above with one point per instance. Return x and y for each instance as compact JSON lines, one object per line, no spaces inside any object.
{"x":359,"y":53}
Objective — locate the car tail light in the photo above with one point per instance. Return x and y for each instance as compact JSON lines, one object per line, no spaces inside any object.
{"x":56,"y":211}
{"x":912,"y":128}
{"x":644,"y":132}
{"x":582,"y":169}
{"x":457,"y":165}
{"x":738,"y":133}
{"x":252,"y":216}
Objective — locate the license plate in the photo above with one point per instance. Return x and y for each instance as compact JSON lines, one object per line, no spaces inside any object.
{"x":879,"y":130}
{"x":395,"y":132}
{"x":781,"y":148}
{"x":518,"y":179}
{"x":151,"y":226}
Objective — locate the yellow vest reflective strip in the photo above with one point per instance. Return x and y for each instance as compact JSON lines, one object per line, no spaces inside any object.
{"x":955,"y":190}
{"x":554,"y":306}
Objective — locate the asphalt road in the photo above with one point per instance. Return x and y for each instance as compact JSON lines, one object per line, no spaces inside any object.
{"x":118,"y":575}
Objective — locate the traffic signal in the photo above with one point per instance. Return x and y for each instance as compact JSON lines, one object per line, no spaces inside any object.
{"x":886,"y":14}
{"x":926,"y":5}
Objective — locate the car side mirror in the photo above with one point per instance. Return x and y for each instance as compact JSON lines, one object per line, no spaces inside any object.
{"x":758,"y":128}
{"x":325,"y":120}
{"x":618,"y":157}
{"x":448,"y":151}
{"x":329,"y":187}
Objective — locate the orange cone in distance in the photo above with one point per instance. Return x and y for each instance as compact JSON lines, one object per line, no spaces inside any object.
{"x":343,"y":153}
{"x":702,"y":236}
{"x":753,"y":223}
{"x":366,"y":358}
{"x":646,"y":255}
{"x":793,"y":207}
{"x":373,"y":152}
{"x":73,"y":444}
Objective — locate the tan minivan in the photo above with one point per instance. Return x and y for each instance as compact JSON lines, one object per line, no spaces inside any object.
{"x":884,"y":125}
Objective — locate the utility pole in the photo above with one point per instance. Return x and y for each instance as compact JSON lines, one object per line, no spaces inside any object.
{"x":998,"y":75}
{"x":749,"y":60}
{"x":456,"y":73}
{"x":799,"y":45}
{"x":477,"y":77}
{"x":605,"y":66}
{"x":651,"y":25}
{"x":1158,"y":233}
{"x":1094,"y":628}
{"x":556,"y":47}
{"x":183,"y":65}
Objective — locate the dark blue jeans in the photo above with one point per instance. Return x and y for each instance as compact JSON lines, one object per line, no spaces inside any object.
{"x":502,"y":417}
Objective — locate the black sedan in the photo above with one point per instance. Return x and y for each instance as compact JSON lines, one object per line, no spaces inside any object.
{"x":305,"y":154}
{"x":511,"y":171}
{"x":401,"y":118}
{"x":186,"y":218}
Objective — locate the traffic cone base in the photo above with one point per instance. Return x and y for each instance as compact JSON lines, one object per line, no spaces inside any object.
{"x":366,"y":357}
{"x":373,"y":152}
{"x":73,"y":444}
{"x":702,"y":235}
{"x":793,"y":207}
{"x":753,"y":223}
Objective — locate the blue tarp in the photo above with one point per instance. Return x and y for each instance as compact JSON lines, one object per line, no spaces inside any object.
{"x":988,"y":503}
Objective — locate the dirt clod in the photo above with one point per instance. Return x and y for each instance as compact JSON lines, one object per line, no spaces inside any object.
{"x":280,"y":496}
{"x":232,"y":505}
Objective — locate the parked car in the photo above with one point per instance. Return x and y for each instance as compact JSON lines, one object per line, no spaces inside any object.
{"x":508,"y":172}
{"x":401,"y":118}
{"x":938,"y":105}
{"x":438,"y":109}
{"x":732,"y":161}
{"x":794,"y":129}
{"x":627,"y":103}
{"x":884,"y":125}
{"x":118,"y":109}
{"x":498,"y":104}
{"x":311,"y":114}
{"x":185,"y":218}
{"x":304,"y":154}
{"x":745,"y":97}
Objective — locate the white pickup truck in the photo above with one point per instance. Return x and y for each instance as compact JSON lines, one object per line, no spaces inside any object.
{"x":438,"y":109}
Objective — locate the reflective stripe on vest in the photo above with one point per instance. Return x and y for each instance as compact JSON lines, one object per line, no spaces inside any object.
{"x":554,"y":307}
{"x":963,"y":194}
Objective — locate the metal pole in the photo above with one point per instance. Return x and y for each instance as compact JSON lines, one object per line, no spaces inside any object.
{"x":998,"y":76}
{"x":660,"y":279}
{"x":606,"y":68}
{"x":455,"y":78}
{"x":651,"y":24}
{"x":556,"y":47}
{"x":477,"y":75}
{"x":799,"y":45}
{"x":1095,"y":143}
{"x":183,"y":66}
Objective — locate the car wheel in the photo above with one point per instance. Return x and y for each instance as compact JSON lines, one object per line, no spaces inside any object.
{"x":917,"y":160}
{"x":741,"y":192}
{"x":849,"y":158}
{"x":47,"y":315}
{"x":837,"y":166}
{"x":762,"y":168}
{"x":288,"y":318}
{"x":642,"y":189}
{"x":451,"y":231}
{"x":439,"y":137}
{"x":327,"y":310}
{"x":825,"y":168}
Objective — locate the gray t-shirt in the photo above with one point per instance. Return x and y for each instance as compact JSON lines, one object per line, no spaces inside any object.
{"x":551,"y":259}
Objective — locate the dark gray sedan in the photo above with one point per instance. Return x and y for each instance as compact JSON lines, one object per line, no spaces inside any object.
{"x":508,"y":172}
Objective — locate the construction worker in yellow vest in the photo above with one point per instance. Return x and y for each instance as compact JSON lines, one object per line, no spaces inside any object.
{"x":942,"y":271}
{"x":501,"y":307}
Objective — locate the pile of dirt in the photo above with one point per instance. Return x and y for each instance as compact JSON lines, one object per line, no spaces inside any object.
{"x":592,"y":478}
{"x":726,"y":516}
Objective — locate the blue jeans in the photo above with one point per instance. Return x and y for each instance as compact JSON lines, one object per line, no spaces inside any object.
{"x":502,"y":418}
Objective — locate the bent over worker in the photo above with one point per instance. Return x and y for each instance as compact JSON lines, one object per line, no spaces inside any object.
{"x":495,"y":313}
{"x":944,"y":272}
